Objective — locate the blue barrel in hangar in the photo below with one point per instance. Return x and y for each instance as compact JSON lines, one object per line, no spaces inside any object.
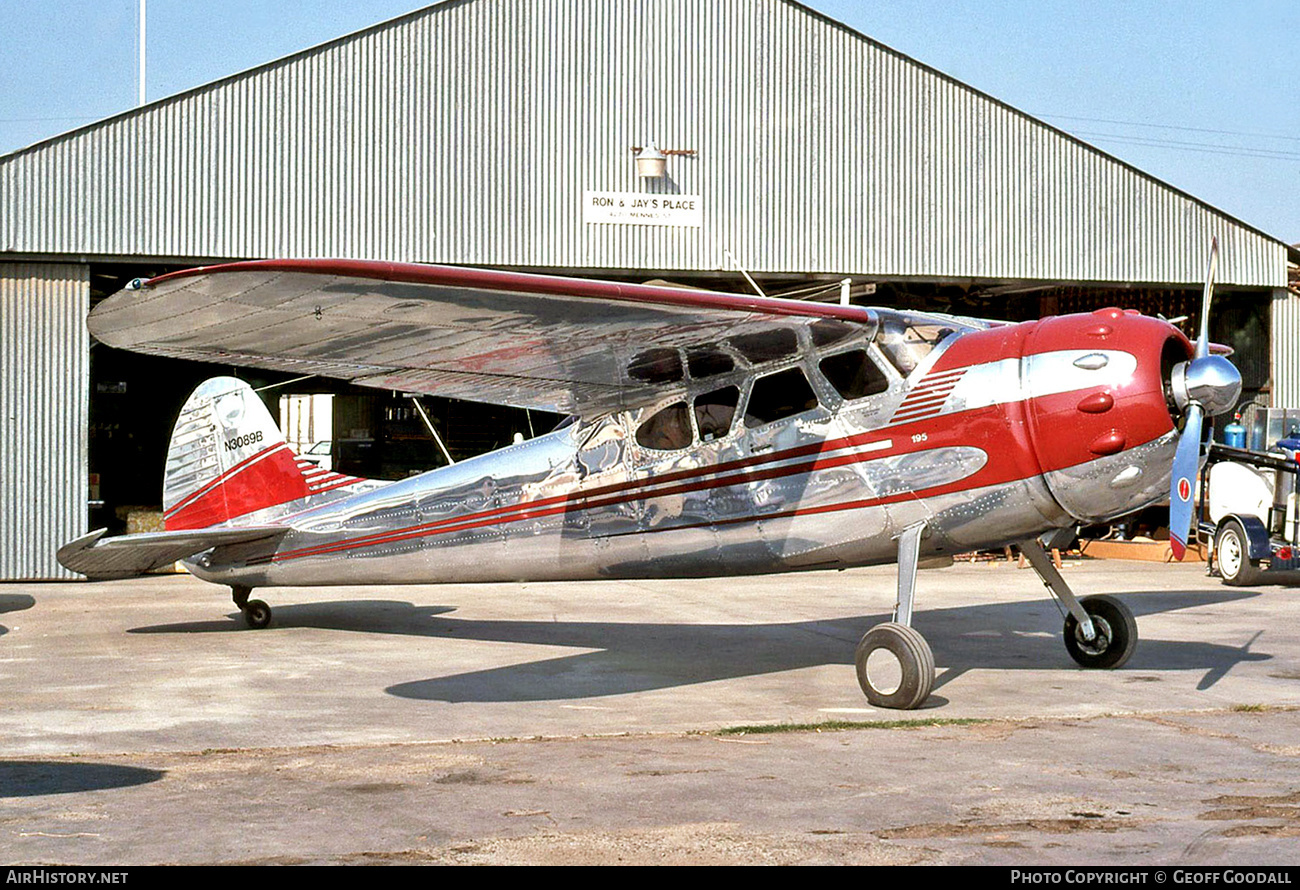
{"x":1234,"y":434}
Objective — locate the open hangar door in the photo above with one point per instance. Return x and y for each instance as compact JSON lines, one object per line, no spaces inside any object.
{"x":1240,"y":317}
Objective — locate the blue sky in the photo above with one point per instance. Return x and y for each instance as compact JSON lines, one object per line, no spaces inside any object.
{"x":1204,"y":95}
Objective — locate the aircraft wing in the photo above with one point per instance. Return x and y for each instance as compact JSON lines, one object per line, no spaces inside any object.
{"x":127,"y":556}
{"x":532,"y":341}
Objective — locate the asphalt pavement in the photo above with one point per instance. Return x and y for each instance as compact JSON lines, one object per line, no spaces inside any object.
{"x":142,"y":723}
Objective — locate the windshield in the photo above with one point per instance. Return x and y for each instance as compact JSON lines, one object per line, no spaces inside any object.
{"x":906,"y":342}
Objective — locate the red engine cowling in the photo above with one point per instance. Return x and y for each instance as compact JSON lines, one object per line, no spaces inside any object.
{"x":1098,"y":408}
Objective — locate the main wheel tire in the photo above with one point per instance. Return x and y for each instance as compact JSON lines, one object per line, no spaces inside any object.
{"x":257,"y":614}
{"x":907,"y":655}
{"x":1116,"y":638}
{"x":1232,"y":554}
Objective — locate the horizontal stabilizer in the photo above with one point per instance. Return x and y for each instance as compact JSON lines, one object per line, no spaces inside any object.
{"x":127,"y":556}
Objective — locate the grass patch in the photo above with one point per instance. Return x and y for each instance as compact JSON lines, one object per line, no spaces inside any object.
{"x":848,"y":725}
{"x":1251,"y":709}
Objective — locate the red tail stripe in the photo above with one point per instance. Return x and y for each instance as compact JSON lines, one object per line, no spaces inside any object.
{"x":224,"y":477}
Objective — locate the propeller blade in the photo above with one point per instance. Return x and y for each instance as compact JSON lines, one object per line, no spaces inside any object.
{"x":1182,"y":483}
{"x":1203,"y":337}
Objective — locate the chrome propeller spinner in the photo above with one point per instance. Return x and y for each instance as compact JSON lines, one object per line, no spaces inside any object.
{"x":1207,"y":384}
{"x":1211,"y":381}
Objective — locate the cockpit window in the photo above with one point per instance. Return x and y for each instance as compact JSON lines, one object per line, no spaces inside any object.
{"x":714,"y":412}
{"x":779,"y":395}
{"x":668,"y":429}
{"x":854,"y":375}
{"x":828,"y":331}
{"x":906,"y":343}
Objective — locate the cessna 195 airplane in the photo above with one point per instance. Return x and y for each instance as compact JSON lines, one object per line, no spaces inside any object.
{"x":708,"y":434}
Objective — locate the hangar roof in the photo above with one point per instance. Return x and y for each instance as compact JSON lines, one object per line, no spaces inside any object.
{"x":486,"y":132}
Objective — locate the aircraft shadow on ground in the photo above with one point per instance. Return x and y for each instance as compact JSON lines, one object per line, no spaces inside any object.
{"x":34,"y":778}
{"x":637,"y":657}
{"x":14,"y":602}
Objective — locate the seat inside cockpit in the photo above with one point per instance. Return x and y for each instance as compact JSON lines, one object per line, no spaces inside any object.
{"x":907,"y":343}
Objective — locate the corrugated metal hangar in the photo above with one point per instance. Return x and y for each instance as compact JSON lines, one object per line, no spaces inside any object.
{"x":505,"y":134}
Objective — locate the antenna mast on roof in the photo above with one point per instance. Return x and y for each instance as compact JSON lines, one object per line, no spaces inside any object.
{"x":141,"y":102}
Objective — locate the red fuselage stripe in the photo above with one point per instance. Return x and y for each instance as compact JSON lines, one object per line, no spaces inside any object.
{"x":537,"y":510}
{"x":693,"y":481}
{"x":773,"y":473}
{"x":570,"y":501}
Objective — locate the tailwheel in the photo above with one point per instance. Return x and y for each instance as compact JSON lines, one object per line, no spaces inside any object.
{"x":895,"y":666}
{"x":1115,"y":636}
{"x":257,"y":614}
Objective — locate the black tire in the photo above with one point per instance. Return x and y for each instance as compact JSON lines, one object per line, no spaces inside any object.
{"x":1232,"y":556}
{"x":1117,"y":634}
{"x":257,"y":614}
{"x":915,"y":665}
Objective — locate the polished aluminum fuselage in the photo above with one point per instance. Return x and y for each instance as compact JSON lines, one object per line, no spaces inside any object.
{"x":829,"y":487}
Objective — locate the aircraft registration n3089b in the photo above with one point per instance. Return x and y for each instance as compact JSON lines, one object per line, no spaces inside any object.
{"x":708,"y":434}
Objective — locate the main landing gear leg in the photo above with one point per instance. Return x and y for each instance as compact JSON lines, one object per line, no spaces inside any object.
{"x":894,"y":662}
{"x":257,"y":614}
{"x":1100,"y":631}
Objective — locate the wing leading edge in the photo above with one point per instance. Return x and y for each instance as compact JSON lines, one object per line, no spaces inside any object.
{"x":532,"y":341}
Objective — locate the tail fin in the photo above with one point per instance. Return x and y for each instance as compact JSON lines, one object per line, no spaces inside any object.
{"x":227,"y":461}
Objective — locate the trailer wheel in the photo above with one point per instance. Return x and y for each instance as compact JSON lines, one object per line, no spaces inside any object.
{"x":1232,"y":553}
